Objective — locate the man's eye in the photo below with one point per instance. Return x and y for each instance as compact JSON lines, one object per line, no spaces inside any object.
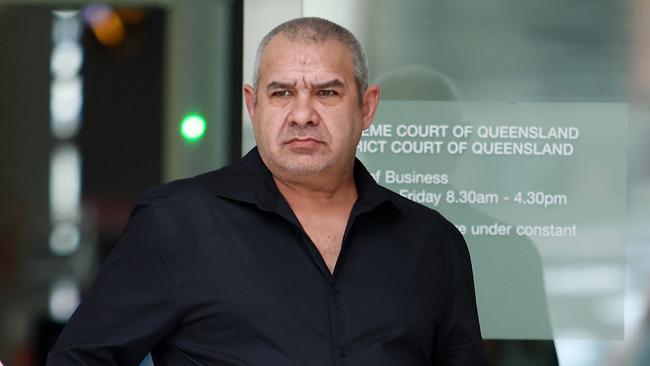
{"x":281,"y":93}
{"x":327,"y":93}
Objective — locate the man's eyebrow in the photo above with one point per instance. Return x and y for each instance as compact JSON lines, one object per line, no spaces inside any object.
{"x":279,"y":85}
{"x":336,"y":83}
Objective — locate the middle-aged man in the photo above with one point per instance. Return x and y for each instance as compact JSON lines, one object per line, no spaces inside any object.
{"x":291,"y":256}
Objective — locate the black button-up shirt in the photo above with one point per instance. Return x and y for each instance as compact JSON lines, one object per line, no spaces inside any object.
{"x":217,"y":270}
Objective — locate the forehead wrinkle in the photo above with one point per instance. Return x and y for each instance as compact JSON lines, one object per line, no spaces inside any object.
{"x":280,"y":85}
{"x":334,"y":83}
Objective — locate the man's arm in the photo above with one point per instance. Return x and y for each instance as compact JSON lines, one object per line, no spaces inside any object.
{"x":132,"y":303}
{"x":464,"y":344}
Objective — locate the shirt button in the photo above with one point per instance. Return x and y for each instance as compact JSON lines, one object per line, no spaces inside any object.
{"x":336,"y":289}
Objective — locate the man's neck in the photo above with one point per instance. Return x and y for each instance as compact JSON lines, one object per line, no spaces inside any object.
{"x":316,"y":194}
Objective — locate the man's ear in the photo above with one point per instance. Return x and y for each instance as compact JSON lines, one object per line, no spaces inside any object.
{"x":249,"y":99}
{"x":369,"y":105}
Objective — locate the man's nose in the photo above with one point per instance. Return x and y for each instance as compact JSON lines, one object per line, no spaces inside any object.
{"x":303,"y":112}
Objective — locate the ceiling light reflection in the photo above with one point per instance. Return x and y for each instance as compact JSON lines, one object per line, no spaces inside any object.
{"x":65,"y":183}
{"x":66,"y":59}
{"x":64,"y":299}
{"x":65,"y":107}
{"x":65,"y":238}
{"x":66,"y":29}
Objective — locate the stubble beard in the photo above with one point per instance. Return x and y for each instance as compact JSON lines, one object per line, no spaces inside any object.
{"x":302,"y":164}
{"x":305,"y":162}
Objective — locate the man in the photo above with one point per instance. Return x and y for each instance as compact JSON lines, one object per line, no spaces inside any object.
{"x":292,"y":256}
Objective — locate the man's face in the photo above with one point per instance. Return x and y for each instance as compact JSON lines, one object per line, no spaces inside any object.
{"x":305,"y":112}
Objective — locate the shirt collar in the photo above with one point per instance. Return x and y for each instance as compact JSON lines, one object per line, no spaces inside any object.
{"x":249,"y":180}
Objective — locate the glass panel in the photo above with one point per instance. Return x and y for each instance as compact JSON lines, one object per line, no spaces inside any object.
{"x":573,"y":64}
{"x":515,"y":179}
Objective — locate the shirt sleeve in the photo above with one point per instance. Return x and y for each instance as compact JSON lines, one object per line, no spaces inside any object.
{"x":463,"y":345}
{"x":131,"y":304}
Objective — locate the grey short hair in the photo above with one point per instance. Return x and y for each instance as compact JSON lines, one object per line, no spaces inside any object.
{"x":312,"y":30}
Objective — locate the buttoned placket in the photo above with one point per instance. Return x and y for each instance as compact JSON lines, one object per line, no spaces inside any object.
{"x":336,"y":302}
{"x":339,"y":316}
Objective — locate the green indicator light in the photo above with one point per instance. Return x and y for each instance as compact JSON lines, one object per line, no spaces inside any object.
{"x":192,"y":127}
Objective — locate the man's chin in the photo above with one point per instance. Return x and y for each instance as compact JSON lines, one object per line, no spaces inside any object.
{"x":303,"y":170}
{"x":304,"y":166}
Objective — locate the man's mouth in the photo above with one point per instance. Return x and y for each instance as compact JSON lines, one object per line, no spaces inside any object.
{"x":303,"y":144}
{"x":303,"y":140}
